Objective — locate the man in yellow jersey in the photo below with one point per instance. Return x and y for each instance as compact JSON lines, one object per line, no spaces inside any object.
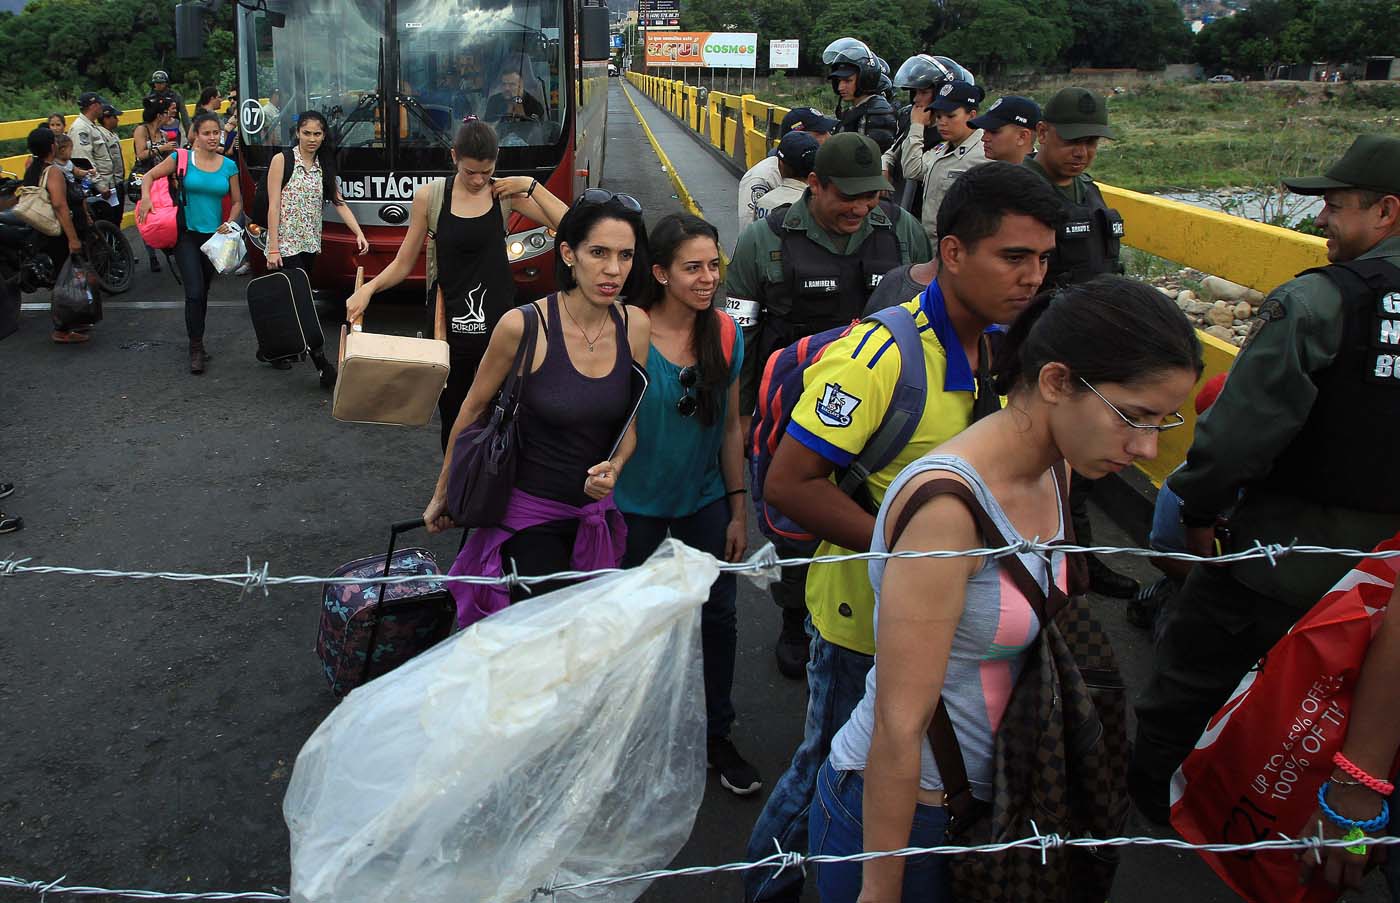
{"x":997,"y":227}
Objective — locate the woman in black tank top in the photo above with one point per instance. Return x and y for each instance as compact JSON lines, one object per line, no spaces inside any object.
{"x":474,"y":283}
{"x":575,"y":403}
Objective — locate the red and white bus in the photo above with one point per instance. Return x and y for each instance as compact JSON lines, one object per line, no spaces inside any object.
{"x":394,"y":78}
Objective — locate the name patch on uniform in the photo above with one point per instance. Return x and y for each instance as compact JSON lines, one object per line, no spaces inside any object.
{"x":1116,"y":227}
{"x":836,"y":406}
{"x":1080,"y":228}
{"x":742,"y":310}
{"x":873,"y":279}
{"x":825,"y":284}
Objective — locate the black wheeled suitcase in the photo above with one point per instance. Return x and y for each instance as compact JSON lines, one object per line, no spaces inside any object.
{"x":284,"y":315}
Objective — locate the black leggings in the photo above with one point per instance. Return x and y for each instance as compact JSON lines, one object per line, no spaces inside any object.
{"x":546,"y":548}
{"x":197,"y":273}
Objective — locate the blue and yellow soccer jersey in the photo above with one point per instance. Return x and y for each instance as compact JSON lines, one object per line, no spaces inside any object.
{"x":844,"y":399}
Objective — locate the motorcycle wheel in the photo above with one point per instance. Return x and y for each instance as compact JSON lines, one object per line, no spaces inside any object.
{"x":112,"y":258}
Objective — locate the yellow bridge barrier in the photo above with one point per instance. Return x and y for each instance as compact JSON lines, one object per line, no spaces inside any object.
{"x":1249,"y":253}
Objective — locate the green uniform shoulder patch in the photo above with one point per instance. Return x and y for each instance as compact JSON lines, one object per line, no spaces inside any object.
{"x":1270,"y":310}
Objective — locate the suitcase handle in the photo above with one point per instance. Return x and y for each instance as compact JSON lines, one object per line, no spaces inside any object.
{"x":403,"y":526}
{"x":355,"y":325}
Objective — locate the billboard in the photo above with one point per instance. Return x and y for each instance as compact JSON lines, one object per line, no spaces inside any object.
{"x":660,"y":13}
{"x":782,"y":54}
{"x":707,"y":49}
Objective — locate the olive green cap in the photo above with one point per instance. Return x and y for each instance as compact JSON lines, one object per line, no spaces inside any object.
{"x":1078,"y":113}
{"x":1372,"y":162}
{"x":852,"y":161}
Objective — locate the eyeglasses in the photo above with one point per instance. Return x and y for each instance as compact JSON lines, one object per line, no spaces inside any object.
{"x":1172,"y":421}
{"x":603,"y":196}
{"x":688,"y":404}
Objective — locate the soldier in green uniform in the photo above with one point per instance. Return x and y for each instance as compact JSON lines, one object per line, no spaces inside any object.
{"x":808,"y":268}
{"x":1087,"y":245}
{"x":1304,"y":436}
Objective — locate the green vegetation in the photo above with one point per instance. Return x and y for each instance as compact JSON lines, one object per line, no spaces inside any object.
{"x":1273,"y":33}
{"x":1193,"y":137}
{"x":65,"y":47}
{"x":1102,"y":33}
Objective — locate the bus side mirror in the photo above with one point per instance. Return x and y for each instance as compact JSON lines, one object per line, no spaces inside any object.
{"x":189,"y":30}
{"x":595,"y":37}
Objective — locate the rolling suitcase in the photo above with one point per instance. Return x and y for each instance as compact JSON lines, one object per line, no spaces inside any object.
{"x":283,"y":312}
{"x":370,"y":630}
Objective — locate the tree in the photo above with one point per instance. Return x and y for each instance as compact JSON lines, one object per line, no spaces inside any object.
{"x":881,"y":24}
{"x":1141,"y":34}
{"x":1041,"y":33}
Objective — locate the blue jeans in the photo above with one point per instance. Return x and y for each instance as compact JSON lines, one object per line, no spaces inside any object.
{"x":719,"y":631}
{"x":835,"y":683}
{"x":837,"y":829}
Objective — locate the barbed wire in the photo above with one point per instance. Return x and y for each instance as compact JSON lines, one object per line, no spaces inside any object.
{"x":1044,"y":843}
{"x":762,"y":565}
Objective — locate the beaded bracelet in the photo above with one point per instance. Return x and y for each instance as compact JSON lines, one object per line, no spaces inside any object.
{"x":1370,"y":825}
{"x":1384,"y":788}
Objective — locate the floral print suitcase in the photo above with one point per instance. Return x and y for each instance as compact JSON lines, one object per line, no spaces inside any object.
{"x":370,"y":629}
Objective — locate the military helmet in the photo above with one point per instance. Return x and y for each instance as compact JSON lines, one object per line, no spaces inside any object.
{"x":925,"y":71}
{"x":845,"y":57}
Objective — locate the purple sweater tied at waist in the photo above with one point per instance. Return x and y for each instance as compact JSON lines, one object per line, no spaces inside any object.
{"x":601,"y":541}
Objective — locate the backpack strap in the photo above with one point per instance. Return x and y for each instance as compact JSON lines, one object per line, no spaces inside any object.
{"x":947,"y":753}
{"x":435,"y":192}
{"x":906,"y":407}
{"x":728,"y":335}
{"x":289,"y":163}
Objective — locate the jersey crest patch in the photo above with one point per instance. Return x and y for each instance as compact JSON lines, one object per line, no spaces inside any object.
{"x":836,"y":406}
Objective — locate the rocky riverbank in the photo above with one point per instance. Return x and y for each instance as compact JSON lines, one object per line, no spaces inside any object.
{"x":1218,"y":307}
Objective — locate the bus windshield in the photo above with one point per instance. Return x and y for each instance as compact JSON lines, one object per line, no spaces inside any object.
{"x":420,"y":65}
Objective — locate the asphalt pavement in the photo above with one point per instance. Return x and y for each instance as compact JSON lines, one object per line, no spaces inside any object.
{"x":148,"y":729}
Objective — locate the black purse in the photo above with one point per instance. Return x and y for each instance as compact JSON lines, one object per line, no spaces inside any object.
{"x":482,"y":476}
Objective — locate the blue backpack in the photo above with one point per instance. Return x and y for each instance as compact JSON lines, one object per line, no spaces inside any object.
{"x":782,"y":386}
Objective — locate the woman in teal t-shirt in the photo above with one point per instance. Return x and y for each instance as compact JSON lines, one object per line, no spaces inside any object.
{"x":686,"y":477}
{"x":210,"y":177}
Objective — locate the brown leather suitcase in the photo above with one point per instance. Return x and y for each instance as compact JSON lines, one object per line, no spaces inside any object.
{"x":388,"y":378}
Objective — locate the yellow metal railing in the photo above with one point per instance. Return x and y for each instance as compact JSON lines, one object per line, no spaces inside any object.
{"x":1233,"y":248}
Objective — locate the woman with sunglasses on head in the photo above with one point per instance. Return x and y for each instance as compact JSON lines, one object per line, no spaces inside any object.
{"x":470,"y":286}
{"x":573,"y":424}
{"x":687,"y":477}
{"x":1091,"y":374}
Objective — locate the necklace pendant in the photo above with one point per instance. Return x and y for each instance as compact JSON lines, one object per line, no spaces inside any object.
{"x":590,"y":347}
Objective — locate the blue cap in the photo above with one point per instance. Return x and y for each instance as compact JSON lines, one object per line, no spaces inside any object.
{"x":957,"y":94}
{"x":1009,"y":110}
{"x":799,"y":151}
{"x":807,"y":119}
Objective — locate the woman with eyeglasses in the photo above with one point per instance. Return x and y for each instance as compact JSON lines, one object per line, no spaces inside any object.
{"x":687,"y":477}
{"x":1091,"y":375}
{"x":470,"y":286}
{"x":574,"y":433}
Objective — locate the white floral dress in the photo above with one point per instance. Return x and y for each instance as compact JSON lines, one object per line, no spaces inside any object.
{"x":299,"y":228}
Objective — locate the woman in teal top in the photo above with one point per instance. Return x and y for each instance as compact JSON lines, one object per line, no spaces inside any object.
{"x":210,"y":177}
{"x":686,"y":477}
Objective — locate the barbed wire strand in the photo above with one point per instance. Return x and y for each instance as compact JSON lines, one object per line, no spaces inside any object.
{"x":1044,"y":843}
{"x":762,"y":565}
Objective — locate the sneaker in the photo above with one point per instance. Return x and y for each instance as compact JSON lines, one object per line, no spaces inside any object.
{"x":793,"y":646}
{"x":68,"y":337}
{"x":10,"y":523}
{"x":735,"y":774}
{"x":1144,"y":609}
{"x":6,"y":489}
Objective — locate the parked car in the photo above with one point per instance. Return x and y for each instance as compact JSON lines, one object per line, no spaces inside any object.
{"x":1221,"y":79}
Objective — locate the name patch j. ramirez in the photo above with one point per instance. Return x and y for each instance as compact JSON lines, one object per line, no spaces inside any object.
{"x":836,"y":406}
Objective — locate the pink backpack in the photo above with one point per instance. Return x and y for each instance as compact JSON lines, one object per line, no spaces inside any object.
{"x":161,"y":228}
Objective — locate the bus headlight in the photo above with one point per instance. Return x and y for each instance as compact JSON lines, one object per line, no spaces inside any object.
{"x":525,"y":245}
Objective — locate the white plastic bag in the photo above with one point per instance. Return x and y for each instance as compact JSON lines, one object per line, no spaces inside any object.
{"x":225,"y":249}
{"x":559,"y":740}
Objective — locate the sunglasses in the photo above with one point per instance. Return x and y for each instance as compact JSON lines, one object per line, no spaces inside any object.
{"x":688,"y":404}
{"x":603,"y":196}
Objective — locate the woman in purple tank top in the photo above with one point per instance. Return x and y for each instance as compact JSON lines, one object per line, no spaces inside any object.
{"x":575,"y":403}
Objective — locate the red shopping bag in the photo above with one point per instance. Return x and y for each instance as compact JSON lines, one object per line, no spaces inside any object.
{"x":1255,"y":771}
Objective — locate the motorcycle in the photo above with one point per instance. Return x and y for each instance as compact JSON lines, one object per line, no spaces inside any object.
{"x":25,"y":263}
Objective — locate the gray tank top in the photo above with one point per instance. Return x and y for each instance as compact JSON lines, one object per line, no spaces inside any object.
{"x":996,"y":628}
